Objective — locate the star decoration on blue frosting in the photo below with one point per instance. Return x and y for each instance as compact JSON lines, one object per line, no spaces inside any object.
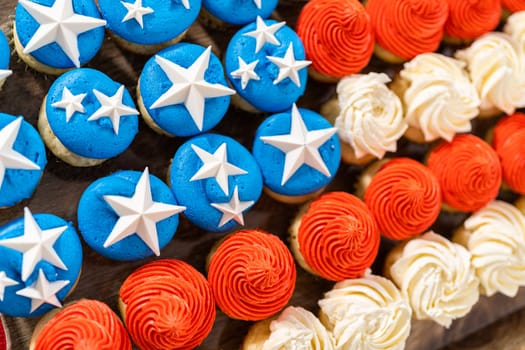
{"x":185,"y":3}
{"x":258,"y":3}
{"x":289,"y":67}
{"x":233,"y":209}
{"x":4,"y":283}
{"x":43,"y":291}
{"x":245,"y":72}
{"x":71,"y":103}
{"x":4,"y":73}
{"x":136,"y":11}
{"x":264,"y":34}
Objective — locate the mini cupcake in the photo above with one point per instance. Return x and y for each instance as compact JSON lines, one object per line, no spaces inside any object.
{"x":128,"y":215}
{"x":298,"y":153}
{"x":435,"y":276}
{"x":88,"y":322}
{"x":252,"y":275}
{"x":338,"y":37}
{"x":182,"y":90}
{"x":167,"y":304}
{"x":40,"y":265}
{"x":366,"y":313}
{"x":216,"y":179}
{"x":335,"y":237}
{"x":52,"y":36}
{"x":87,"y":118}
{"x":265,"y":63}
{"x":22,"y":159}
{"x":468,"y":20}
{"x":220,"y":13}
{"x":5,"y":53}
{"x":515,"y":27}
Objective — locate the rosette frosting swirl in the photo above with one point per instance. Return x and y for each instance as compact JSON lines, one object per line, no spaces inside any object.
{"x":252,"y":275}
{"x":513,"y":5}
{"x":86,"y":324}
{"x":337,"y":36}
{"x":436,"y":276}
{"x":366,"y":313}
{"x":168,"y":305}
{"x":404,"y":198}
{"x":505,"y":127}
{"x":515,"y":27}
{"x":471,"y":19}
{"x":468,"y":171}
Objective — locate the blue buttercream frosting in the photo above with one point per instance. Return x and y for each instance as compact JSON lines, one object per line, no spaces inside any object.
{"x":4,"y":51}
{"x":239,"y":12}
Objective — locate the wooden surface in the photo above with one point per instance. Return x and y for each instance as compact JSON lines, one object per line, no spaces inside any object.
{"x":62,"y":185}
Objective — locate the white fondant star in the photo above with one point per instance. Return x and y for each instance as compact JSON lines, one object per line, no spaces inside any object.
{"x":4,"y":73}
{"x":112,"y":107}
{"x":4,"y":283}
{"x":59,"y":24}
{"x":232,"y":209}
{"x":139,"y":215}
{"x":258,"y":3}
{"x":35,"y":245}
{"x":71,"y":103}
{"x":9,"y":158}
{"x":189,"y":86}
{"x":186,"y":4}
{"x":264,"y":34}
{"x":289,"y":67}
{"x":216,"y":165}
{"x":245,"y":72}
{"x":43,"y":292}
{"x":136,"y":11}
{"x":300,"y":146}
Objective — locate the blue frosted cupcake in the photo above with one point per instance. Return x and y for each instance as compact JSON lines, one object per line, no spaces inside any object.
{"x":265,"y":63}
{"x":40,"y":265}
{"x":5,"y":52}
{"x":216,"y":179}
{"x":87,"y":118}
{"x":52,"y":36}
{"x":298,"y":153}
{"x":235,"y":12}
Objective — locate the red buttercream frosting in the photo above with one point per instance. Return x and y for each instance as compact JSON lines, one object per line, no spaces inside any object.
{"x":338,"y":236}
{"x":408,"y":28}
{"x":473,"y":18}
{"x":505,"y":127}
{"x":404,"y":197}
{"x":169,"y":305}
{"x":337,"y":36}
{"x":468,"y":170}
{"x":252,"y":275}
{"x":84,"y":325}
{"x":513,"y":5}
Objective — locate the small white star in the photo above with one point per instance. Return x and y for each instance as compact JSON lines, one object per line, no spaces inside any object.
{"x":139,"y":214}
{"x":59,"y":24}
{"x":288,"y":66}
{"x":4,"y":73}
{"x":43,"y":292}
{"x":186,"y":4}
{"x":112,"y":107}
{"x":300,"y":146}
{"x":216,"y":165}
{"x":264,"y":34}
{"x":245,"y":72}
{"x":4,"y":283}
{"x":136,"y":11}
{"x":189,"y":86}
{"x":232,"y":209}
{"x":71,"y":103}
{"x":9,"y":158}
{"x":258,"y":3}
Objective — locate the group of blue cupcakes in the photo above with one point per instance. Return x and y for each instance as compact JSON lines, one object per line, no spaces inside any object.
{"x":183,"y":91}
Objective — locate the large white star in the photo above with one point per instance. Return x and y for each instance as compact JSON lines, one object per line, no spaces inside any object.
{"x":112,"y":107}
{"x":136,"y":11}
{"x":43,"y":292}
{"x":4,"y":73}
{"x":9,"y":158}
{"x":245,"y":72}
{"x":289,"y":67}
{"x":300,"y":146}
{"x":232,"y":209}
{"x":216,"y":165}
{"x":35,"y":245}
{"x":4,"y":283}
{"x":189,"y":86}
{"x":71,"y":103}
{"x":264,"y":34}
{"x":59,"y":24}
{"x":139,"y":215}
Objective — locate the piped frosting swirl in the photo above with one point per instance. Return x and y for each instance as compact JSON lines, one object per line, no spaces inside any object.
{"x":471,"y":19}
{"x":515,"y":27}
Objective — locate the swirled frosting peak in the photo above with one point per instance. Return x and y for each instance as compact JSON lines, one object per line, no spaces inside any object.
{"x":167,"y":305}
{"x":513,"y":5}
{"x":471,"y":19}
{"x":515,"y":27}
{"x":436,"y":276}
{"x":252,"y":275}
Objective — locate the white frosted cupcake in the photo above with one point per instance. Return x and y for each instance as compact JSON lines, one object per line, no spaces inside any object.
{"x":515,"y":27}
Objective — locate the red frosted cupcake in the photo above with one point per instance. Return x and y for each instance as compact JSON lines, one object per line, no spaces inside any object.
{"x":469,"y":20}
{"x":513,"y":5}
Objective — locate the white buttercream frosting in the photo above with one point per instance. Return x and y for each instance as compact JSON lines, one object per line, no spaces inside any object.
{"x":515,"y":27}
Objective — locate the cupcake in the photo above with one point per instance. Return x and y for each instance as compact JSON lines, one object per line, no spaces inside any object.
{"x":52,"y":36}
{"x":40,"y":265}
{"x":252,"y":275}
{"x":468,"y":171}
{"x":87,"y":118}
{"x":511,"y":6}
{"x":515,"y":27}
{"x":338,"y":37}
{"x":368,"y":117}
{"x":366,"y":313}
{"x":22,"y":159}
{"x":182,"y":90}
{"x":128,"y":215}
{"x":468,"y":20}
{"x":298,"y":153}
{"x":88,"y":322}
{"x":221,"y":13}
{"x":335,"y":237}
{"x":181,"y":293}
{"x":5,"y":54}
{"x":435,"y":276}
